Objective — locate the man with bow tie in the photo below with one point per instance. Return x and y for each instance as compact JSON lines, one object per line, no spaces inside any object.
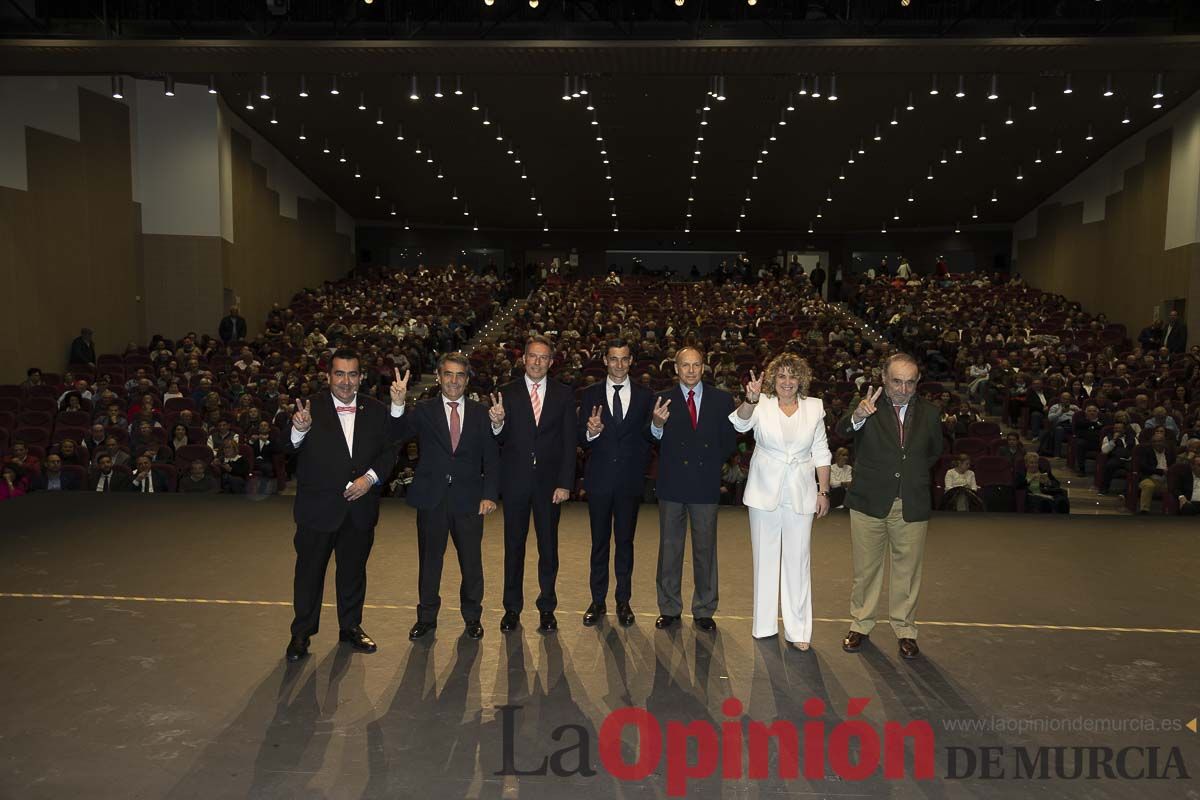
{"x":343,"y":451}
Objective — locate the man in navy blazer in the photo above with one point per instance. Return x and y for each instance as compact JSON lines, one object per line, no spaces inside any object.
{"x":455,"y":486}
{"x":613,"y":428}
{"x":691,"y":423}
{"x":533,"y":419}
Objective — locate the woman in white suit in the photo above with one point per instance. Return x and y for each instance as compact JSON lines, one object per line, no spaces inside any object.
{"x":790,"y":446}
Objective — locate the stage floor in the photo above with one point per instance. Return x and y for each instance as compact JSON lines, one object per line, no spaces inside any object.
{"x":145,"y":637}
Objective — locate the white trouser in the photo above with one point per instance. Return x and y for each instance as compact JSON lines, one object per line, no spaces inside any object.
{"x":780,"y":540}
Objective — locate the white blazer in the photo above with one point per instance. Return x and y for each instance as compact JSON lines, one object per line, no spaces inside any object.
{"x":776,"y":464}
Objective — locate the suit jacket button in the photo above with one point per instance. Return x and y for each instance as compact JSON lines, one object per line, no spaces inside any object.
{"x":897,"y":474}
{"x":685,"y":462}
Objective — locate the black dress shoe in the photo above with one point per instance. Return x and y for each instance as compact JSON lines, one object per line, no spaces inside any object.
{"x":297,"y":649}
{"x":666,"y":620}
{"x":706,"y":624}
{"x":420,"y":629}
{"x":547,"y":623}
{"x":593,"y":614}
{"x":358,"y":639}
{"x":624,"y":614}
{"x":909,"y":649}
{"x":474,"y":629}
{"x":510,"y":621}
{"x":854,"y":641}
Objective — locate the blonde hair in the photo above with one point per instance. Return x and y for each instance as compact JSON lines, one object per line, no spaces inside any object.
{"x":794,"y":364}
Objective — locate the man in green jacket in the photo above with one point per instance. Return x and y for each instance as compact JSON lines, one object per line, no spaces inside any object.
{"x":890,"y":499}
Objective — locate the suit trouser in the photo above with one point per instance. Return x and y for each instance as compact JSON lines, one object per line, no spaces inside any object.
{"x":313,"y":548}
{"x":614,"y":520}
{"x":1147,"y":488}
{"x":780,"y":542}
{"x":871,"y":540}
{"x":516,"y":533}
{"x":673,"y":525}
{"x":434,"y":527}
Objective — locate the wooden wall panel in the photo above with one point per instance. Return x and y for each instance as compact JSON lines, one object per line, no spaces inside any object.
{"x":1116,"y":265}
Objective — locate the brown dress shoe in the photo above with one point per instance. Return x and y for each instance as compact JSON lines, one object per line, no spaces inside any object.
{"x":909,"y":649}
{"x":854,"y":641}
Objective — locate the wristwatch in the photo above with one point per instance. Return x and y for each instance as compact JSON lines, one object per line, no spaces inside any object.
{"x":823,"y":494}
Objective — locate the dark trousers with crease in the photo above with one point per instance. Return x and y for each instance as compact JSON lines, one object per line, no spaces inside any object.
{"x":517,"y":509}
{"x":435,"y":527}
{"x":614,"y":522}
{"x":313,"y":548}
{"x":673,"y":521}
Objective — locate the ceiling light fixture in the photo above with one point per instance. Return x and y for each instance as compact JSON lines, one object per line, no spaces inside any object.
{"x":1033,"y":101}
{"x":961,"y":92}
{"x":1058,"y":148}
{"x":303,"y":86}
{"x":264,"y":93}
{"x":333,"y":87}
{"x":803,"y":92}
{"x":362,"y":101}
{"x":437,"y":87}
{"x":994,"y":88}
{"x":1108,"y":90}
{"x":1089,"y":136}
{"x":1158,"y":87}
{"x":1067,"y":88}
{"x":816,"y":90}
{"x":274,"y":119}
{"x":357,"y":171}
{"x":414,"y":89}
{"x":933,"y":85}
{"x":379,"y":117}
{"x":878,"y":135}
{"x":212,"y":84}
{"x":833,"y":94}
{"x":249,"y":101}
{"x":1125,"y":120}
{"x":895,"y":117}
{"x":1009,"y":119}
{"x":325,"y":148}
{"x":399,"y":132}
{"x":169,"y":87}
{"x":474,"y":101}
{"x":958,"y":148}
{"x":302,"y":136}
{"x":982,"y":132}
{"x":911,"y":106}
{"x":342,"y":156}
{"x":458,"y":90}
{"x":378,"y":196}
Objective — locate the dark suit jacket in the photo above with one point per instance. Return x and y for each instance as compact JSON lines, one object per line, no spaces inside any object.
{"x":468,"y":474}
{"x":690,"y":461}
{"x":70,"y":481}
{"x":1035,"y":404}
{"x":232,"y":329}
{"x":551,"y":443}
{"x":1177,"y":341}
{"x":883,"y":470}
{"x":118,"y":483}
{"x":82,"y":352}
{"x":617,"y":458}
{"x":1181,"y":483}
{"x":1147,"y":463}
{"x":160,"y":483}
{"x":324,"y":465}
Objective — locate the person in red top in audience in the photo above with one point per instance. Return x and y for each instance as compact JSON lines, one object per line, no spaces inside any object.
{"x":26,"y":462}
{"x":12,"y":483}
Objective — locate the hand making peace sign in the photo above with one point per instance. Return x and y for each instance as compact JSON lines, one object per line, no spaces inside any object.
{"x":302,"y":419}
{"x":754,"y":387}
{"x":496,"y":412}
{"x":399,"y":387}
{"x":660,"y":411}
{"x":594,"y":425}
{"x":866,"y":406}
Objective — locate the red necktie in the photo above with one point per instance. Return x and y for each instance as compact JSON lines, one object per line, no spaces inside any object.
{"x":345,"y":409}
{"x":455,"y":426}
{"x":899,"y":424}
{"x":692,"y":408}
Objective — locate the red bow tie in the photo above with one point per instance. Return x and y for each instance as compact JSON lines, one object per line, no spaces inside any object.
{"x":345,"y":409}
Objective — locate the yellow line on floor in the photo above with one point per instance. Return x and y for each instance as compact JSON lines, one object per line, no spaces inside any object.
{"x":391,"y":607}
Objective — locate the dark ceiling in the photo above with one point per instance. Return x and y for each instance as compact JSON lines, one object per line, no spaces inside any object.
{"x":648,"y":98}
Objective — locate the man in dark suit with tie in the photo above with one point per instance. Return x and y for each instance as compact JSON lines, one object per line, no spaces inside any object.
{"x":146,"y":480}
{"x":533,"y":419}
{"x":613,"y":428}
{"x":105,"y":478}
{"x":232,"y":327}
{"x":455,"y":486}
{"x":343,"y":452}
{"x":691,"y":423}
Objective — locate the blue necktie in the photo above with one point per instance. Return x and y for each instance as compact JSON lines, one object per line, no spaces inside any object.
{"x":618,"y":411}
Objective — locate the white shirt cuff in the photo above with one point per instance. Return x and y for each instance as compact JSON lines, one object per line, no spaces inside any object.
{"x":656,"y":431}
{"x":497,"y":428}
{"x":371,"y":474}
{"x":398,"y":410}
{"x":297,"y":436}
{"x":857,"y":425}
{"x":592,"y":438}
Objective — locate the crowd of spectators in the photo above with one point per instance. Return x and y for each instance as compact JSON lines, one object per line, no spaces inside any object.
{"x":205,"y":414}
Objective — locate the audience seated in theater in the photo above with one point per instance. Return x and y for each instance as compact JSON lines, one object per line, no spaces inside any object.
{"x":962,"y":491}
{"x":841,"y":475}
{"x":233,"y":469}
{"x":1117,"y":448}
{"x":106,"y":479}
{"x":1187,"y":487}
{"x":145,"y":479}
{"x":1152,"y":469}
{"x":26,"y":462}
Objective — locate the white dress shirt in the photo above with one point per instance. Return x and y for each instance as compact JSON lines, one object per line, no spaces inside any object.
{"x":398,"y":410}
{"x":529,"y":384}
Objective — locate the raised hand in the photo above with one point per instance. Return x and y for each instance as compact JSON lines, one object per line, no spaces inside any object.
{"x":660,"y":411}
{"x":496,"y":412}
{"x":754,"y":387}
{"x":594,"y":425}
{"x":399,"y":388}
{"x":302,"y":419}
{"x":866,"y":407}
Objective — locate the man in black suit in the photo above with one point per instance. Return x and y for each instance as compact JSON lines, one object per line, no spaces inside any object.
{"x":232,"y":327}
{"x":1186,"y":487}
{"x":342,"y":453}
{"x":455,"y":486}
{"x":1119,"y":449}
{"x":83,"y":351}
{"x":1037,"y":400}
{"x":105,"y":478}
{"x":146,"y":480}
{"x":613,"y":429}
{"x":1175,"y":334}
{"x":695,"y":439}
{"x":533,"y":419}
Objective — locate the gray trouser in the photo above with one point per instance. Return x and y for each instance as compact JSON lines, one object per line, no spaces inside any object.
{"x":673,"y":525}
